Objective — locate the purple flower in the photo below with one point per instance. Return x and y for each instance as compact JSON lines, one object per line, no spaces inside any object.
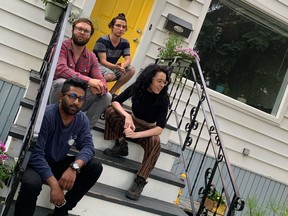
{"x":187,"y":52}
{"x":3,"y":157}
{"x":2,"y":147}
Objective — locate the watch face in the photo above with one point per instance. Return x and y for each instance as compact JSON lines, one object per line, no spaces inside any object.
{"x":76,"y":166}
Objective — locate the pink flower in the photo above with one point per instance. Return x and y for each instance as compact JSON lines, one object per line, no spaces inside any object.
{"x":187,"y":52}
{"x":2,"y":147}
{"x":3,"y":157}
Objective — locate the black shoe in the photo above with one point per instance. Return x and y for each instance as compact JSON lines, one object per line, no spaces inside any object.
{"x":119,"y":149}
{"x":136,"y":189}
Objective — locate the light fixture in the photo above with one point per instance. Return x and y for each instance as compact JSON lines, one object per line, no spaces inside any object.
{"x":178,"y":26}
{"x":245,"y":152}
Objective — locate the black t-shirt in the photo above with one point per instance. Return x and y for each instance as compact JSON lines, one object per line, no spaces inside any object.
{"x":147,"y":109}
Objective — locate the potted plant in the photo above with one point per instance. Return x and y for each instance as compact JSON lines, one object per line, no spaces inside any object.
{"x":173,"y":48}
{"x":54,"y":9}
{"x":6,"y":165}
{"x":215,"y":202}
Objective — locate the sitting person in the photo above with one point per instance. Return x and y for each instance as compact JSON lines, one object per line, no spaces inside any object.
{"x":77,"y":61}
{"x":149,"y":106}
{"x":109,"y":49}
{"x":63,"y":126}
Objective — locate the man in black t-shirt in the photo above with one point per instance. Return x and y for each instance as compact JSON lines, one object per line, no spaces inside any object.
{"x":109,"y":48}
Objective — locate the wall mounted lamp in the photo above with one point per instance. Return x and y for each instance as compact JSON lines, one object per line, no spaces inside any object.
{"x":245,"y":152}
{"x":178,"y":25}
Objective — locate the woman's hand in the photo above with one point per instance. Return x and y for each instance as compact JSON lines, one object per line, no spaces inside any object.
{"x":130,"y":133}
{"x":129,"y":123}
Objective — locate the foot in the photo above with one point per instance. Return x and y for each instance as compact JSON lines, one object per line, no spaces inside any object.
{"x":119,"y":149}
{"x":136,"y":189}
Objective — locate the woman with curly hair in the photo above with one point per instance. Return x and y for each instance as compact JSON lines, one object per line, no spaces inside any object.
{"x":144,"y":125}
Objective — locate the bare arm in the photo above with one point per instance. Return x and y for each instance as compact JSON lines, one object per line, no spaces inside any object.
{"x":56,"y":193}
{"x":128,"y":118}
{"x":127,"y":61}
{"x":103,"y":60}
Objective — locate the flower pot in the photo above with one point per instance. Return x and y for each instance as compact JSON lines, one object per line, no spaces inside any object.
{"x":53,"y":11}
{"x":211,"y":205}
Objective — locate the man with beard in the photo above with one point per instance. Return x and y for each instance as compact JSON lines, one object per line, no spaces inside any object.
{"x":77,"y":61}
{"x":109,"y":48}
{"x":63,"y":126}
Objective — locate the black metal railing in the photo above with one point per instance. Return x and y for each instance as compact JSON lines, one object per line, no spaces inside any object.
{"x":198,"y":130}
{"x":46,"y":73}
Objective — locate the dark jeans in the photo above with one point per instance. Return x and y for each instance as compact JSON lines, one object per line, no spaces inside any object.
{"x":32,"y":184}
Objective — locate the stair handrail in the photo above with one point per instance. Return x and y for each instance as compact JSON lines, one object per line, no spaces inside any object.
{"x":199,"y":86}
{"x":46,"y":74}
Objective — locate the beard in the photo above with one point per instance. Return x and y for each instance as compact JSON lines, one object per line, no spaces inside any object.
{"x":69,"y":109}
{"x":78,"y":41}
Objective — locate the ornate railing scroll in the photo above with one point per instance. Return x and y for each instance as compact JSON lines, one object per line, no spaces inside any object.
{"x":198,"y":131}
{"x":46,"y":73}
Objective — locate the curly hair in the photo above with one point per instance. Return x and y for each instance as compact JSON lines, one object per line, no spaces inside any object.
{"x":144,"y":80}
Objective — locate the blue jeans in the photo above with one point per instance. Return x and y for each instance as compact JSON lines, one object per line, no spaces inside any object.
{"x":31,"y":185}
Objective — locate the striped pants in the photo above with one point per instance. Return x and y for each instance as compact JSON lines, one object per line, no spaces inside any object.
{"x":114,"y":127}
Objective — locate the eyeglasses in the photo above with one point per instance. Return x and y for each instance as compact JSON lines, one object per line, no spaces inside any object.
{"x":81,"y":30}
{"x":159,"y":81}
{"x":74,"y":96}
{"x":119,"y":26}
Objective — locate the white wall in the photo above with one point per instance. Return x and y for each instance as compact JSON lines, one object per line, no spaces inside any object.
{"x":24,"y":38}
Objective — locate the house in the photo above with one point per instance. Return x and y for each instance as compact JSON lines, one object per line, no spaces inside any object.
{"x":25,"y":36}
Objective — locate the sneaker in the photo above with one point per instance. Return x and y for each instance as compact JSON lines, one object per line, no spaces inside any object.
{"x":119,"y":149}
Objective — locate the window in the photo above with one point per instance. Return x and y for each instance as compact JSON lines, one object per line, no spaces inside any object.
{"x":244,"y":54}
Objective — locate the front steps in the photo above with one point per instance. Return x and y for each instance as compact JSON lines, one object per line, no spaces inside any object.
{"x":107,"y":197}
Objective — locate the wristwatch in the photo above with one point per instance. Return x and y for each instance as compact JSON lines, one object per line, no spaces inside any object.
{"x":75,"y":166}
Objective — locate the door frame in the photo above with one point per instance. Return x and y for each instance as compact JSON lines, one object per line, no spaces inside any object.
{"x":144,"y":44}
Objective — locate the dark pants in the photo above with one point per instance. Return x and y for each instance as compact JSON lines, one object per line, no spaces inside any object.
{"x":32,"y":184}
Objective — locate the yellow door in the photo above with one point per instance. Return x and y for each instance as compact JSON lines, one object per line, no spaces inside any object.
{"x":136,"y":12}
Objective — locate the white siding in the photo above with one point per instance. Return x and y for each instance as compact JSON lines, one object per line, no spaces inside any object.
{"x":24,"y":38}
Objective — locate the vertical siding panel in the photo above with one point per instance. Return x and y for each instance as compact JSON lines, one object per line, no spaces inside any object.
{"x":10,"y":98}
{"x":250,"y":184}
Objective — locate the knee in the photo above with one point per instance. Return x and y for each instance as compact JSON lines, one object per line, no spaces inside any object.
{"x":131,"y":72}
{"x":94,"y":168}
{"x":31,"y":185}
{"x":109,"y":77}
{"x":108,"y":98}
